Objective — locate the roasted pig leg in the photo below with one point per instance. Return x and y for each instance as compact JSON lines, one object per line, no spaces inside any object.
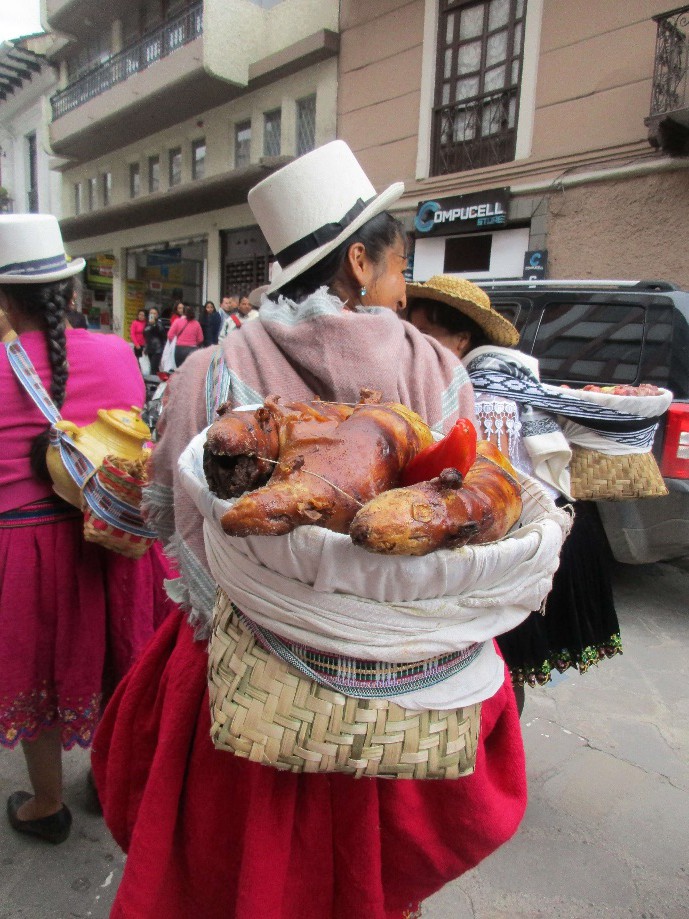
{"x":326,"y":473}
{"x":444,"y":512}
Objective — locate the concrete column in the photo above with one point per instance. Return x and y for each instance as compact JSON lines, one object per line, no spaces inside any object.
{"x":214,"y":289}
{"x":119,"y":281}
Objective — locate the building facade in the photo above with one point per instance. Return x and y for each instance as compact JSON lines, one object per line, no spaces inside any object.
{"x":535,"y":137}
{"x":166,"y":114}
{"x":27,"y":184}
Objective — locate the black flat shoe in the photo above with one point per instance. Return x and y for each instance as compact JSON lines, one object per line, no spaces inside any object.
{"x":54,"y":828}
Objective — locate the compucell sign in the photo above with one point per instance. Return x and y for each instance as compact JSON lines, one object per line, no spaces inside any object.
{"x":462,"y":213}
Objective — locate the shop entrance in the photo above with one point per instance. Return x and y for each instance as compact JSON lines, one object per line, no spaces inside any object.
{"x":246,"y":260}
{"x":96,"y":294}
{"x":160,"y":276}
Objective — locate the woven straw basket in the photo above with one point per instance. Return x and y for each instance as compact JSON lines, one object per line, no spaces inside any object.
{"x":601,"y":477}
{"x":264,"y":710}
{"x":111,"y":537}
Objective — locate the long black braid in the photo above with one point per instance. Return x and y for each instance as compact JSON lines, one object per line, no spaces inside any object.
{"x":47,"y":303}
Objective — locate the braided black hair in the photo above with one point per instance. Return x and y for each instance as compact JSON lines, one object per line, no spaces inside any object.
{"x":47,"y":303}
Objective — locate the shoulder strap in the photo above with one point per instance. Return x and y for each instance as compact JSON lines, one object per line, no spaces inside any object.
{"x":218,"y":384}
{"x":76,"y":463}
{"x":26,"y":373}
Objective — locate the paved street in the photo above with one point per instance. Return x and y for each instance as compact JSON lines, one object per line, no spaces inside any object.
{"x":607,"y":829}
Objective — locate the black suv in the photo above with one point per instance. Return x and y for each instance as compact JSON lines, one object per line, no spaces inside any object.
{"x":615,"y":332}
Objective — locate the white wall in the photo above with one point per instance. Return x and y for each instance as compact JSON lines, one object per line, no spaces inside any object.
{"x":506,"y":257}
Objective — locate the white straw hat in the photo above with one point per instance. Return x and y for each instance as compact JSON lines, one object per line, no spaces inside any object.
{"x":307,"y":208}
{"x":32,"y":251}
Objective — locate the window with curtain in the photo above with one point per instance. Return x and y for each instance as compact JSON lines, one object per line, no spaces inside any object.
{"x":106,"y":184}
{"x":306,"y":124}
{"x":134,"y":180}
{"x":153,"y":173}
{"x":478,"y":75}
{"x":242,"y":144}
{"x":272,"y":127}
{"x":175,"y":166}
{"x":198,"y":158}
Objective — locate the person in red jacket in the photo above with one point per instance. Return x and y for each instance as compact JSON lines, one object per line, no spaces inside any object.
{"x":136,"y":333}
{"x":188,"y":332}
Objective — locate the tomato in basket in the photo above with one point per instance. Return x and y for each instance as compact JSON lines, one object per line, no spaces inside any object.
{"x":457,"y":450}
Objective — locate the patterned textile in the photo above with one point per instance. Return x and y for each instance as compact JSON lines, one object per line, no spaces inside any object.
{"x":510,"y":380}
{"x":363,"y":679}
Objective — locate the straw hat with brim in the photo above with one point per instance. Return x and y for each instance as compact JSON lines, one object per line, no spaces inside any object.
{"x":470,"y":300}
{"x":307,"y":208}
{"x":32,"y":251}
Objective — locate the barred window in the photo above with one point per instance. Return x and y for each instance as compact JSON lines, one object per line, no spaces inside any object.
{"x":106,"y":187}
{"x":306,"y":124}
{"x":175,"y":166}
{"x":478,"y":75}
{"x":272,"y":126}
{"x":134,"y":180}
{"x":153,"y":173}
{"x":198,"y":158}
{"x":242,"y":144}
{"x":91,"y":190}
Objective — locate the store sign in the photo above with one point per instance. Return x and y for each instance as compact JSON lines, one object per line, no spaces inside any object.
{"x":535,"y":264}
{"x":100,"y":269}
{"x":164,"y":256}
{"x":462,"y":213}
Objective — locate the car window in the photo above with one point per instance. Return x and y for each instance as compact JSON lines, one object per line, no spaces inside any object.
{"x":590,"y":342}
{"x":510,"y":311}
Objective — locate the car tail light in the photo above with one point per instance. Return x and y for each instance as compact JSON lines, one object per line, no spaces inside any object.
{"x":674,"y":463}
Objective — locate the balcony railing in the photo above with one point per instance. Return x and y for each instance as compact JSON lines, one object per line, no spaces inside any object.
{"x":669,"y":92}
{"x":137,"y":57}
{"x":475,"y":132}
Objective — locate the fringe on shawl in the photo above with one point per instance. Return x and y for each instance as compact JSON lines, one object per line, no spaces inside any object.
{"x":194,"y":589}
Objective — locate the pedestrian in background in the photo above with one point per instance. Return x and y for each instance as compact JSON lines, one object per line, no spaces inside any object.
{"x":63,"y":601}
{"x":155,"y":337}
{"x":187,"y":333}
{"x":579,"y":625}
{"x":229,"y":306}
{"x":211,"y":322}
{"x":136,"y":333}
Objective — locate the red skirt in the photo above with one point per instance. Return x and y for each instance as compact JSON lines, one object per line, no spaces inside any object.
{"x":211,"y":835}
{"x":73,"y":618}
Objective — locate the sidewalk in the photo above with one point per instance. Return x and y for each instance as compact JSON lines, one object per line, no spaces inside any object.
{"x":606,"y":832}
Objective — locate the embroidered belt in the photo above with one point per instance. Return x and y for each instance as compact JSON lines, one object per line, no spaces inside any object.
{"x":363,"y":679}
{"x":47,"y":510}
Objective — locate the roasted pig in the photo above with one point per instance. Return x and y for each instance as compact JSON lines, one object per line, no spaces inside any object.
{"x":445,"y":512}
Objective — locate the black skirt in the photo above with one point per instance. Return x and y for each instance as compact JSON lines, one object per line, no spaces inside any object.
{"x":579,"y":626}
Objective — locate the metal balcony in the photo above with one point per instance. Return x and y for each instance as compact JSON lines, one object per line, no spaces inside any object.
{"x":153,"y":47}
{"x":668,"y":120}
{"x":475,"y":133}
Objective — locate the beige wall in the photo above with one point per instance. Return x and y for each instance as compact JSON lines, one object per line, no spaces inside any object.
{"x":626,"y":229}
{"x":217,"y":126}
{"x":593,"y":89}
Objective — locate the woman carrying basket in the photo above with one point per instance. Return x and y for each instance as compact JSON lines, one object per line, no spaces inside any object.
{"x":56,"y":608}
{"x":578,"y":626}
{"x":208,"y":833}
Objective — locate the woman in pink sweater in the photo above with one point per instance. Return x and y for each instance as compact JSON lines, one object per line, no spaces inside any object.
{"x":136,"y":333}
{"x":62,"y":600}
{"x":188,"y":333}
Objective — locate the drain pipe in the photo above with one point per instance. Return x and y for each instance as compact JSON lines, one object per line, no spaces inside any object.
{"x":602,"y":175}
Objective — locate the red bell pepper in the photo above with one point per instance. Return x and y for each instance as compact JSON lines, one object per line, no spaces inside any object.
{"x":457,"y":450}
